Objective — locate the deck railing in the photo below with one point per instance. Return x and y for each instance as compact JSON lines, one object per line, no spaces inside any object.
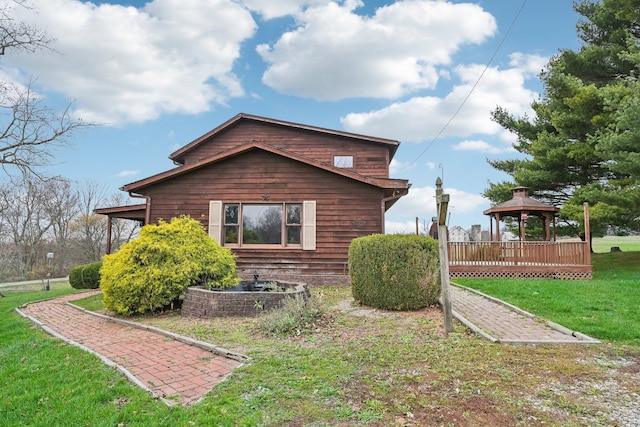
{"x":519,"y":253}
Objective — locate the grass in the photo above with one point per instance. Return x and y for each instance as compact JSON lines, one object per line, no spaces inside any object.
{"x":395,"y":369}
{"x":625,"y":243}
{"x":606,"y":307}
{"x":44,"y":382}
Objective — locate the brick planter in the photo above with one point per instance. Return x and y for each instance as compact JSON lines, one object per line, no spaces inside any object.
{"x":203,"y":303}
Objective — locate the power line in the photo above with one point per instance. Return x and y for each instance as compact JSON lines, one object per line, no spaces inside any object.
{"x":486,"y":67}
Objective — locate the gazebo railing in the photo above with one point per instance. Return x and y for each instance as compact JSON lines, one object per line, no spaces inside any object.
{"x":519,"y":253}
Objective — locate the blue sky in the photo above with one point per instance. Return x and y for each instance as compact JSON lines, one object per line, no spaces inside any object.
{"x":158,"y":74}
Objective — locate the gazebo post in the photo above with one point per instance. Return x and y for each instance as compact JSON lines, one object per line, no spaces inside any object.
{"x":547,"y":227}
{"x":491,"y":228}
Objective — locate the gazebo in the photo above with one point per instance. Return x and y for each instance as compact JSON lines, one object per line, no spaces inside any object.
{"x":521,"y":206}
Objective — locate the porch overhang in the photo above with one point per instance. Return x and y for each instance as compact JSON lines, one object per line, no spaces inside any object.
{"x":130,"y":212}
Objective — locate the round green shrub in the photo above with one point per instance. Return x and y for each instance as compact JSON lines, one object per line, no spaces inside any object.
{"x":153,"y":271}
{"x":395,"y":271}
{"x":85,"y":276}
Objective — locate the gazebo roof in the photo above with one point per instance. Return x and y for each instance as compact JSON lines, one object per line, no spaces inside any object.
{"x":519,"y":204}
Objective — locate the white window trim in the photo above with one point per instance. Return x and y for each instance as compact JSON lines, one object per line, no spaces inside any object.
{"x":308,"y":236}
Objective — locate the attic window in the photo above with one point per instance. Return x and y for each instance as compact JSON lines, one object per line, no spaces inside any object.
{"x":343,"y":161}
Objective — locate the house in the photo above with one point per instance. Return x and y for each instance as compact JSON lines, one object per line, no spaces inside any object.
{"x":286,"y":198}
{"x":458,"y":234}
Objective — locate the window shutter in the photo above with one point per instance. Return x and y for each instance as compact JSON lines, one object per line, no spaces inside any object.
{"x":309,"y":225}
{"x":215,"y":220}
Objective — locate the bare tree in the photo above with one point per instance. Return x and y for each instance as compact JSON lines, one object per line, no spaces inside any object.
{"x":62,"y":207}
{"x":9,"y":265}
{"x":54,"y":215}
{"x":29,"y":130}
{"x":90,"y":228}
{"x":26,"y":219}
{"x":16,"y":35}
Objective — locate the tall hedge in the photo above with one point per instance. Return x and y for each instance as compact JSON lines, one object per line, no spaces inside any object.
{"x":395,"y":271}
{"x":154,"y":270}
{"x":85,"y":276}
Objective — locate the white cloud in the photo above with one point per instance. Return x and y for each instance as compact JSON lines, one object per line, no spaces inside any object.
{"x":422,"y":118}
{"x":126,"y":173}
{"x":122,"y":64}
{"x":14,"y":86}
{"x":421,"y":202}
{"x":406,"y":227}
{"x":396,"y":167}
{"x":270,"y":9}
{"x":481,"y":146}
{"x":531,"y":64}
{"x":334,"y":53}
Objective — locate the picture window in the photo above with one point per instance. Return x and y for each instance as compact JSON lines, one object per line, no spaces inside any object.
{"x":271,"y":224}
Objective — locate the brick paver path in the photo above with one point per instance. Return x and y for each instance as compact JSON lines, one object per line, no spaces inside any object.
{"x":173,"y":370}
{"x":501,"y":322}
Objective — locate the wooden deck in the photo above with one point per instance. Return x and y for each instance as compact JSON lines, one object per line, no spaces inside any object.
{"x":557,"y":260}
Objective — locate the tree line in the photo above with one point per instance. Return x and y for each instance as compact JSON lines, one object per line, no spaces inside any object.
{"x":55,"y":216}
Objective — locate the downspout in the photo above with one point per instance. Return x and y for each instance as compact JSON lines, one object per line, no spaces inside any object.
{"x":396,"y":195}
{"x":147,"y":211}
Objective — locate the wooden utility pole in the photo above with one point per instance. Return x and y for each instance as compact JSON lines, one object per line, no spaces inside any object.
{"x":442,"y":201}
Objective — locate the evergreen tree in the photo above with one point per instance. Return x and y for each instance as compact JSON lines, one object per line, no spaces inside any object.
{"x":584,"y":142}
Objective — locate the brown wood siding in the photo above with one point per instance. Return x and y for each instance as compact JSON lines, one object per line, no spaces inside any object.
{"x":370,"y":158}
{"x":345,"y":209}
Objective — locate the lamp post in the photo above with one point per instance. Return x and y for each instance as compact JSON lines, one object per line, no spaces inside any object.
{"x":49,"y":258}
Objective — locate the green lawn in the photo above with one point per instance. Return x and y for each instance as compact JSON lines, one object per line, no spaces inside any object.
{"x":606,"y":307}
{"x":625,"y":243}
{"x":392,"y":370}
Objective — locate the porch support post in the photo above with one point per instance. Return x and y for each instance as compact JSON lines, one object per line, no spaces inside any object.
{"x":109,"y":219}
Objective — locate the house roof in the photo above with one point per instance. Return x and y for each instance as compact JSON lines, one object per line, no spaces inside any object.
{"x":177,"y":156}
{"x":384,"y":183}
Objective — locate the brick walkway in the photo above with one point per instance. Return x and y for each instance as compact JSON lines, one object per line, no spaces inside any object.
{"x":173,"y":368}
{"x":181,"y":371}
{"x":500,"y":322}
